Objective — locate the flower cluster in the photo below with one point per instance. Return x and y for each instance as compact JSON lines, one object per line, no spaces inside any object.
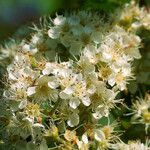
{"x":67,"y":77}
{"x":141,"y":109}
{"x":137,"y":145}
{"x":134,"y":17}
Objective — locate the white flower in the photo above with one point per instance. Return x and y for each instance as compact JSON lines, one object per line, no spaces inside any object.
{"x":101,"y":111}
{"x":119,"y":79}
{"x":42,"y":91}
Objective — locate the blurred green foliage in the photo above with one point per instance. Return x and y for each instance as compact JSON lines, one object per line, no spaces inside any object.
{"x":16,"y":13}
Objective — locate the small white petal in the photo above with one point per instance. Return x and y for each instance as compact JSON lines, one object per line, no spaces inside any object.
{"x":99,"y":135}
{"x":79,"y":143}
{"x":38,"y":125}
{"x":74,"y":102}
{"x":23,"y":104}
{"x":111,"y":81}
{"x":68,"y":90}
{"x":31,"y":91}
{"x":26,"y":47}
{"x":136,"y":54}
{"x":86,"y":101}
{"x":64,"y":95}
{"x":85,"y":138}
{"x":31,"y":120}
{"x":35,"y":39}
{"x":107,"y":55}
{"x":73,"y":120}
{"x":59,"y":20}
{"x":91,"y":89}
{"x":53,"y":84}
{"x":48,"y":69}
{"x":54,"y":32}
{"x":97,"y":115}
{"x":34,"y":50}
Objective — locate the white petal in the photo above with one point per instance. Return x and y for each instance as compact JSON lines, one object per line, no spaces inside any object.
{"x":66,"y":40}
{"x":85,"y":138}
{"x":63,"y":95}
{"x":97,"y":115}
{"x":53,"y":84}
{"x":96,"y":37}
{"x":111,"y":80}
{"x":34,"y":50}
{"x":86,"y":101}
{"x":73,"y":120}
{"x":79,"y":143}
{"x":30,"y":120}
{"x":99,"y":135}
{"x":48,"y":69}
{"x":54,"y":32}
{"x":31,"y":91}
{"x":107,"y":55}
{"x":136,"y":54}
{"x":59,"y":20}
{"x":136,"y":25}
{"x":122,"y":86}
{"x":91,"y":89}
{"x":23,"y":104}
{"x":38,"y":125}
{"x":6,"y":93}
{"x":35,"y":39}
{"x":74,"y":103}
{"x":26,"y":47}
{"x":68,"y":90}
{"x":75,"y":48}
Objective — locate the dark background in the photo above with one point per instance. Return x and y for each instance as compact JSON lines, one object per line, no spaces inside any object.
{"x":17,"y":14}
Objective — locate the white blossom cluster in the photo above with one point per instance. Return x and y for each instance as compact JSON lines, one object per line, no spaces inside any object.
{"x":137,"y":145}
{"x":71,"y":91}
{"x":83,"y":81}
{"x":135,"y":17}
{"x":141,"y":110}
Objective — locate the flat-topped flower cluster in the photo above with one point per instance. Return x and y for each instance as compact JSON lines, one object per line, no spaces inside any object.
{"x":67,"y":77}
